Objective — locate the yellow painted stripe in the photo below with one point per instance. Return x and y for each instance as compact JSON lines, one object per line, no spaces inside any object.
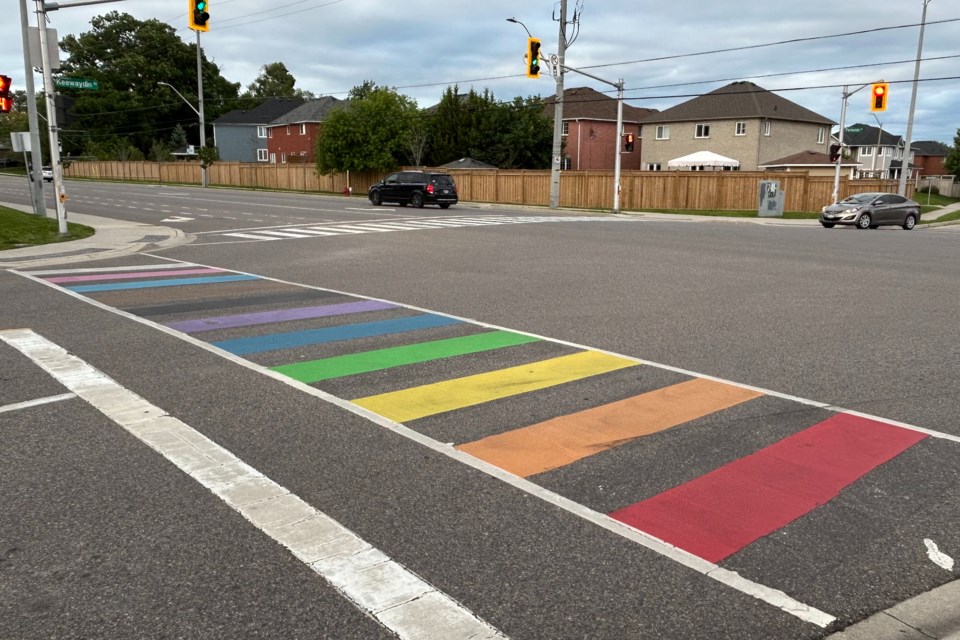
{"x":427,"y":400}
{"x":566,"y":439}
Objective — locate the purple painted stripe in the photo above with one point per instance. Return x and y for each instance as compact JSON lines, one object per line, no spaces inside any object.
{"x":136,"y":274}
{"x":282,"y":315}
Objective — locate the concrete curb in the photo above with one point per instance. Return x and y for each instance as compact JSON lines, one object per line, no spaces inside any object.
{"x":934,"y":615}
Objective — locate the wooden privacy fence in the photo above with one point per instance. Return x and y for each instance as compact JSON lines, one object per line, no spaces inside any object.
{"x":639,"y":190}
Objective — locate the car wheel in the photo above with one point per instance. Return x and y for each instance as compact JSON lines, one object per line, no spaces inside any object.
{"x":417,"y":200}
{"x":910,"y":222}
{"x":375,"y":198}
{"x":828,"y":225}
{"x":445,"y":205}
{"x":864,"y":221}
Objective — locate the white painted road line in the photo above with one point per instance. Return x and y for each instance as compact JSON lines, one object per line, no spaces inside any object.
{"x":37,"y":402}
{"x":400,"y":600}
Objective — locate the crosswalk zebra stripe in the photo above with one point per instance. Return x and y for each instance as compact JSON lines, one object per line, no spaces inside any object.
{"x":249,"y":236}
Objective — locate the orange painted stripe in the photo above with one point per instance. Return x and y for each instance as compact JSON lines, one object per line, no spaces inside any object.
{"x":566,"y":439}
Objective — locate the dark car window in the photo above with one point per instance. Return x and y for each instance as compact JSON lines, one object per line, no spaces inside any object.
{"x":860,"y":198}
{"x":414,"y":177}
{"x":442,"y":180}
{"x":895,"y":199}
{"x":392,"y":178}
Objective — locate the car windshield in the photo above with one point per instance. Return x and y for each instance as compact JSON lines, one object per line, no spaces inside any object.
{"x":860,"y":198}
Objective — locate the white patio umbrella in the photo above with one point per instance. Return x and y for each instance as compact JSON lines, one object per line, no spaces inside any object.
{"x":703,"y":159}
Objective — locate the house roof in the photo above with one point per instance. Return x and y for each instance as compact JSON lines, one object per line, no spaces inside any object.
{"x":807,"y":159}
{"x":467,"y":163}
{"x":738,"y":100}
{"x":584,"y":103}
{"x":264,"y":113}
{"x":864,"y":135}
{"x":311,"y":111}
{"x":929,"y":148}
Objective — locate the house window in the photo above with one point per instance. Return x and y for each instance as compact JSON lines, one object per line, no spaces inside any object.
{"x":273,"y":158}
{"x":766,"y":128}
{"x":741,"y":129}
{"x":567,"y":163}
{"x":288,"y":129}
{"x":283,"y":158}
{"x":866,"y":151}
{"x":654,"y":166}
{"x":566,"y":128}
{"x":261,"y":132}
{"x":821,"y":135}
{"x":880,"y":152}
{"x":303,"y":129}
{"x":261,"y":155}
{"x":270,"y":132}
{"x":703,"y":131}
{"x":663,"y":132}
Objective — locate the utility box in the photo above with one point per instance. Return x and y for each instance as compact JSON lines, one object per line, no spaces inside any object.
{"x":771,"y":200}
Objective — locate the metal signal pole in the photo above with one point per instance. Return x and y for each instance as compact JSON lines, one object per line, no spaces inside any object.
{"x":558,"y":111}
{"x":905,"y":163}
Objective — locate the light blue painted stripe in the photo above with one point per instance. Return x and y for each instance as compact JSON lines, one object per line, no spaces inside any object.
{"x":257,"y":344}
{"x":176,"y":282}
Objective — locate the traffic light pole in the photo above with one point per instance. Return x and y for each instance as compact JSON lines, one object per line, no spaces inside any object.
{"x":60,"y":195}
{"x":557,"y":156}
{"x":203,"y":128}
{"x":905,"y":162}
{"x":36,"y":155}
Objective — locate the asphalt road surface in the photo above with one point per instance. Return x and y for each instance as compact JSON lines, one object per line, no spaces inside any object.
{"x":474,"y":423}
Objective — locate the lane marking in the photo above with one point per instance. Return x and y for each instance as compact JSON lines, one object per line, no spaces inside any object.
{"x":275,"y":341}
{"x":566,"y":439}
{"x":439,"y":397}
{"x":285,"y":234}
{"x":721,"y":512}
{"x":248,"y":236}
{"x":175,"y":282}
{"x":37,"y":402}
{"x":380,"y":359}
{"x":397,"y":598}
{"x":151,"y":267}
{"x":132,"y":274}
{"x":281,"y":315}
{"x":936,"y":556}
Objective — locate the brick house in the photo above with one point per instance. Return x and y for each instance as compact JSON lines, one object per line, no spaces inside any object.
{"x":741,"y":121}
{"x":929,"y":157}
{"x":293,"y":136}
{"x":590,"y":130}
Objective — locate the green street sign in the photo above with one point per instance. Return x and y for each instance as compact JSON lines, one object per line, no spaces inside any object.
{"x":76,"y":83}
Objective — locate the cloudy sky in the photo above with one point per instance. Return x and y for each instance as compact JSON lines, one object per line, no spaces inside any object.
{"x":423,"y":46}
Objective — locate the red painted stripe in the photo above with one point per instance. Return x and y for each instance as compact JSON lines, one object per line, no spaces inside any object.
{"x":717,"y":514}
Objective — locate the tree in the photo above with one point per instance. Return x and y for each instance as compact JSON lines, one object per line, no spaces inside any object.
{"x":952,"y":162}
{"x":128,"y":58}
{"x":275,"y":81}
{"x":178,"y":138}
{"x":369,"y":134}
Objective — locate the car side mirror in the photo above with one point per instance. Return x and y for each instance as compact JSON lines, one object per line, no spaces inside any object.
{"x":880,"y":202}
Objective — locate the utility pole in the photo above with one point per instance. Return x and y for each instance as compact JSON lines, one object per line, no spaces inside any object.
{"x":36,"y":185}
{"x":558,"y":70}
{"x":905,"y":163}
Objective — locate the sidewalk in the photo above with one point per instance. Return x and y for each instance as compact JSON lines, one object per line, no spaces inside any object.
{"x":113,"y":238}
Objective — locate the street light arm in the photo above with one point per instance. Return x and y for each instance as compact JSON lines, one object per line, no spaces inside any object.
{"x":166,"y":84}
{"x":515,"y":21}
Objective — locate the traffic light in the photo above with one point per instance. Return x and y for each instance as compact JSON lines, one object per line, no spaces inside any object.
{"x":628,"y":142}
{"x":834,"y":152}
{"x":878,"y":96}
{"x":6,"y":102}
{"x":199,"y":15}
{"x":533,"y":57}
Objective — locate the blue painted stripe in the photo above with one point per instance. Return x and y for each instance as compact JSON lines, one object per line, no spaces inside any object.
{"x":256,"y":344}
{"x":175,"y":282}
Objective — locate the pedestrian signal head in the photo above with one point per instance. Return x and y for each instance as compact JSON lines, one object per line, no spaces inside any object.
{"x":834,"y":152}
{"x":6,"y":102}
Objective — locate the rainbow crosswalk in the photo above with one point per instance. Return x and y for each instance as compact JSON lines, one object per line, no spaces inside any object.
{"x":421,"y":368}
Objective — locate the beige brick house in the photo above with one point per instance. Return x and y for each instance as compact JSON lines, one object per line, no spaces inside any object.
{"x":741,"y":121}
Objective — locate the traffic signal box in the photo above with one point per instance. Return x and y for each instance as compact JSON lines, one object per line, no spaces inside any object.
{"x":834,"y":152}
{"x":6,"y":102}
{"x":199,"y":15}
{"x":533,"y":57}
{"x":878,"y":96}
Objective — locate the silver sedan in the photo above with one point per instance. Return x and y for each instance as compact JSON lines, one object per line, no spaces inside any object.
{"x":870,"y":210}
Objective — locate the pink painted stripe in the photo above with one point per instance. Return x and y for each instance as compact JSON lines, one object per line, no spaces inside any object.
{"x":717,"y":514}
{"x":132,"y":275}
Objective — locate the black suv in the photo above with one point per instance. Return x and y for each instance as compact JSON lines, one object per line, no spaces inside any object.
{"x":416,"y":188}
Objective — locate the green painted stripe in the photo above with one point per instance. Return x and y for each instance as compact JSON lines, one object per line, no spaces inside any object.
{"x":354,"y":363}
